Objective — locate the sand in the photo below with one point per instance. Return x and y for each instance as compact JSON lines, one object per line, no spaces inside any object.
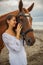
{"x":34,"y":53}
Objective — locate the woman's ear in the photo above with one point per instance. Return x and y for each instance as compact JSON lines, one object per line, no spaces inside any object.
{"x":8,"y":21}
{"x":31,"y":7}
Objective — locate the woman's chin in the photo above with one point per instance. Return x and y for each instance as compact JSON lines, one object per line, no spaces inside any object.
{"x":14,"y":25}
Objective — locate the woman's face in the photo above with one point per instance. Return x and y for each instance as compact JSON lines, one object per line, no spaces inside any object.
{"x":12,"y":22}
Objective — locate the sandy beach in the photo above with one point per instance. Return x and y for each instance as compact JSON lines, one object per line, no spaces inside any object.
{"x":34,"y":53}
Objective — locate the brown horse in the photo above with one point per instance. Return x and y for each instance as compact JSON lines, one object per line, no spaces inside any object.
{"x":27,"y":31}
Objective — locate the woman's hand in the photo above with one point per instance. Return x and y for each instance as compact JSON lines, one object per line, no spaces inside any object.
{"x":18,"y":30}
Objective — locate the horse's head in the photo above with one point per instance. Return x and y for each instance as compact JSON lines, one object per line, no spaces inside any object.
{"x":25,"y":19}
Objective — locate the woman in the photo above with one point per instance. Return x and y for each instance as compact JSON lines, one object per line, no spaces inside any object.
{"x":14,"y":43}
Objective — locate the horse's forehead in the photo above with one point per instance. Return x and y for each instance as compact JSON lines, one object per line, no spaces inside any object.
{"x":26,"y":11}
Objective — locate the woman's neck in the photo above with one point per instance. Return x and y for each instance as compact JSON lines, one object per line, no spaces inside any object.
{"x":10,"y":31}
{"x":10,"y":28}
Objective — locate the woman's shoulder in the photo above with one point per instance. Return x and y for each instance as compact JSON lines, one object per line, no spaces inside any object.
{"x":8,"y":36}
{"x":4,"y":34}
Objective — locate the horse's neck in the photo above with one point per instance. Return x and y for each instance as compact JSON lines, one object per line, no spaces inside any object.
{"x":3,"y":17}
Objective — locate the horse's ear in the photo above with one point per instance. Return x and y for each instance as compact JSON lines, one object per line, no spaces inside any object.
{"x":20,"y":5}
{"x":31,"y":7}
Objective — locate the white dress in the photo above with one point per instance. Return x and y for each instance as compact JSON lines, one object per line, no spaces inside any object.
{"x":17,"y":54}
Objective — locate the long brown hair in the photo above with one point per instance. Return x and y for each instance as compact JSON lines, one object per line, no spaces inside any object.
{"x":9,"y":17}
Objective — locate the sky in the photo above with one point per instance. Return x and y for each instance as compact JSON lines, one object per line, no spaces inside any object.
{"x":11,"y":5}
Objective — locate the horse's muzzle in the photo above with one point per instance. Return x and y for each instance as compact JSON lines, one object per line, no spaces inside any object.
{"x":30,"y":42}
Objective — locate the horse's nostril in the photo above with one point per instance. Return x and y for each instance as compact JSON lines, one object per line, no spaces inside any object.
{"x":30,"y":42}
